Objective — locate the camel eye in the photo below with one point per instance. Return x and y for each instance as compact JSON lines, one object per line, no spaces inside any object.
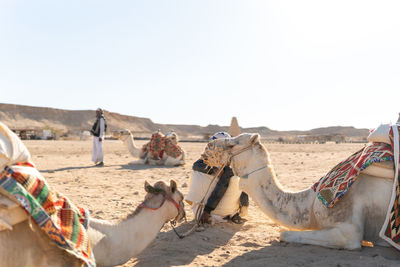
{"x":211,"y":146}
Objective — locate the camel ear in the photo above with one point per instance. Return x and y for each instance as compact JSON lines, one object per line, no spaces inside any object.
{"x":255,"y":138}
{"x":173,"y":186}
{"x":148,"y":187}
{"x":151,"y":189}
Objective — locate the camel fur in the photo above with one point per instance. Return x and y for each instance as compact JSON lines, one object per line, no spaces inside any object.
{"x":126,"y":137}
{"x":358,"y":216}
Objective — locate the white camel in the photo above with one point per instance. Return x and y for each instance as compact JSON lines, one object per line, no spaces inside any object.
{"x":358,"y":216}
{"x":25,"y":244}
{"x":127,"y":138}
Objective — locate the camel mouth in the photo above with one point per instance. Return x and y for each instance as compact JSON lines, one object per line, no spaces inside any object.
{"x":181,"y":212}
{"x":213,"y":156}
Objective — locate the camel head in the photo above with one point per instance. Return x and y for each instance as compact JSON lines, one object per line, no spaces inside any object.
{"x":122,"y":134}
{"x":173,"y":137}
{"x":161,"y":194}
{"x":242,"y":152}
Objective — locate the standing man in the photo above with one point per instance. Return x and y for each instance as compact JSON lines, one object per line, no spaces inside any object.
{"x":98,"y":130}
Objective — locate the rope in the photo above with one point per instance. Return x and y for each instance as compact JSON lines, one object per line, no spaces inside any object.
{"x":200,"y":209}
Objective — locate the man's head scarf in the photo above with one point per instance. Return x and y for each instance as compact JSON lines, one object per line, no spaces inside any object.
{"x":220,"y":135}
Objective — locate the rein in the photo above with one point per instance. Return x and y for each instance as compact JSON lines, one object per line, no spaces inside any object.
{"x":231,"y":155}
{"x":247,"y":175}
{"x":201,"y":204}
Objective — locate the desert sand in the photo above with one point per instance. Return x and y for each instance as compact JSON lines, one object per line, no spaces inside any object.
{"x":113,"y":191}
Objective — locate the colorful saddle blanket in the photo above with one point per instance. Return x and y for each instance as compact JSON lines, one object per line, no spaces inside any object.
{"x":335,"y":183}
{"x":56,"y":215}
{"x":158,"y":145}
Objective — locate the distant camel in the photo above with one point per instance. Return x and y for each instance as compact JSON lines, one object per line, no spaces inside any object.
{"x":167,"y":158}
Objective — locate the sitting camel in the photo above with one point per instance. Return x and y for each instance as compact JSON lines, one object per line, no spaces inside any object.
{"x":23,"y":243}
{"x":358,"y":216}
{"x":174,"y":156}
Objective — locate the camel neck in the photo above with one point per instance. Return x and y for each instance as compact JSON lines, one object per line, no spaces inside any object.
{"x":129,"y":237}
{"x":130,"y":143}
{"x":291,"y":209}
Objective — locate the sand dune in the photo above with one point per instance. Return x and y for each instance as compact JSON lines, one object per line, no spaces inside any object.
{"x":113,"y":191}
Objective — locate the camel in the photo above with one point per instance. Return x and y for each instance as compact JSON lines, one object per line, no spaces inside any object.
{"x":358,"y":216}
{"x":25,"y":244}
{"x":127,"y":138}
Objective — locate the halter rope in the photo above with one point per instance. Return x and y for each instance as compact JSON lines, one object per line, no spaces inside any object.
{"x":200,"y":209}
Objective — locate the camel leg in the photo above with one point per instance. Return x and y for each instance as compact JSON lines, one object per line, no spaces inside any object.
{"x":382,"y":243}
{"x":170,"y":161}
{"x":137,"y":162}
{"x":344,"y":235}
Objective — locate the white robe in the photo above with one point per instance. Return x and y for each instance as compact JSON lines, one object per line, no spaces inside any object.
{"x":97,"y":152}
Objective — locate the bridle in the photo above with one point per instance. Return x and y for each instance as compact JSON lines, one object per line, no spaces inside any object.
{"x":176,"y":204}
{"x":231,"y":155}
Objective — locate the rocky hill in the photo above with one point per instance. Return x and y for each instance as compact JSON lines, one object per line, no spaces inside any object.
{"x":21,"y":117}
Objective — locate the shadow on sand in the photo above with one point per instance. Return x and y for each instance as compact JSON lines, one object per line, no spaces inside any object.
{"x":168,"y":243}
{"x":122,"y":167}
{"x":76,"y":168}
{"x":144,"y":167}
{"x":285,"y":254}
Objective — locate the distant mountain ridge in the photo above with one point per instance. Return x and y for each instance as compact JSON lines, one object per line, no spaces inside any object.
{"x":30,"y":117}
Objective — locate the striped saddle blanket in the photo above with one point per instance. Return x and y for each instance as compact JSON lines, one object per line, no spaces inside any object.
{"x":62,"y":221}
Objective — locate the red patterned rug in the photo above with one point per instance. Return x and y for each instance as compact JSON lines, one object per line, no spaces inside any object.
{"x":337,"y":181}
{"x":158,"y":145}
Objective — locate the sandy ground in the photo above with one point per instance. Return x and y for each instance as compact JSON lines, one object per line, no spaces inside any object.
{"x":116,"y":189}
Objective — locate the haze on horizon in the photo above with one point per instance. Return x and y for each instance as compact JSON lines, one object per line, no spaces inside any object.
{"x":286,"y":65}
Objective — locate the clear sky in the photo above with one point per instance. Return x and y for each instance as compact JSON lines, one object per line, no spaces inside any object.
{"x":286,"y":65}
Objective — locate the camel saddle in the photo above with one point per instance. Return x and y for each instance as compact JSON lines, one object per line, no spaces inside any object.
{"x":11,"y":212}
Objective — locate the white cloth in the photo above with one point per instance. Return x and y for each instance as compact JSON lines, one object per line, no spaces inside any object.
{"x":97,"y":152}
{"x":201,"y":186}
{"x":396,"y":155}
{"x":12,"y":150}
